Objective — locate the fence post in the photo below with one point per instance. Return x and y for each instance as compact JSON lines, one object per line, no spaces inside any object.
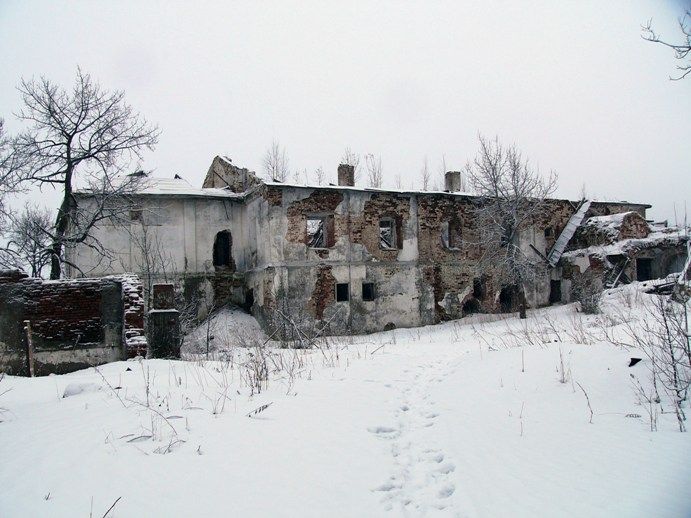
{"x":29,"y":347}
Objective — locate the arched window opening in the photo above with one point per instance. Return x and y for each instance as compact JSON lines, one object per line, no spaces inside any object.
{"x":223,"y":250}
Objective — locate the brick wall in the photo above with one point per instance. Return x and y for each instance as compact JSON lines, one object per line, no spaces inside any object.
{"x":74,"y":323}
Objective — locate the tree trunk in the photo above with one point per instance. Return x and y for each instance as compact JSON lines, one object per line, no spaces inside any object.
{"x":61,"y":224}
{"x":56,"y":250}
{"x":521,"y":302}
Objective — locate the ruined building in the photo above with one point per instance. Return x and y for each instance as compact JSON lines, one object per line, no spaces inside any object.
{"x":359,"y":259}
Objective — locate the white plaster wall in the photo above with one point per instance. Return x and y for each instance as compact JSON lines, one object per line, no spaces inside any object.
{"x":184,"y":227}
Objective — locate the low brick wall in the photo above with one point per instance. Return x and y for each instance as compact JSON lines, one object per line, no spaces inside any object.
{"x":75,"y":323}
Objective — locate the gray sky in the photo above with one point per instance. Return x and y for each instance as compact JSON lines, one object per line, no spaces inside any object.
{"x":572,"y":84}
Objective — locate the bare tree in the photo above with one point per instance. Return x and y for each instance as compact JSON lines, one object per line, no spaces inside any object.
{"x":441,"y":180}
{"x":425,"y":175}
{"x":663,"y":336}
{"x":30,"y":238}
{"x":153,"y":258}
{"x":682,"y":50}
{"x":8,"y":186}
{"x":8,"y":166}
{"x":352,"y":159}
{"x":319,"y":175}
{"x":374,"y":170}
{"x":276,"y":163}
{"x":88,"y":134}
{"x":513,"y":197}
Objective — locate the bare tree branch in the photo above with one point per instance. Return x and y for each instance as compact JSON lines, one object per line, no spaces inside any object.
{"x":30,"y":237}
{"x":425,"y":175}
{"x":374,"y":170}
{"x":276,"y":163}
{"x":682,"y":50}
{"x":513,"y":196}
{"x":352,"y":159}
{"x":87,"y":134}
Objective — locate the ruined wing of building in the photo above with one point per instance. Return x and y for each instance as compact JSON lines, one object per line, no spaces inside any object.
{"x":347,"y":259}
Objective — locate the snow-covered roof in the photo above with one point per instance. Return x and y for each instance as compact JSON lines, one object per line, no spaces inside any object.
{"x":660,"y":236}
{"x":419,"y":191}
{"x":610,"y":225}
{"x":153,"y":186}
{"x":363,"y":189}
{"x":181,"y":187}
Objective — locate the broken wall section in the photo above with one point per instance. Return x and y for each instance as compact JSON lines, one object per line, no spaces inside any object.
{"x":74,"y":323}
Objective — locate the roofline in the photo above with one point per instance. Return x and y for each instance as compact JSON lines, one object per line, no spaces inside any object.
{"x":406,"y":192}
{"x":229,"y":196}
{"x":419,"y":192}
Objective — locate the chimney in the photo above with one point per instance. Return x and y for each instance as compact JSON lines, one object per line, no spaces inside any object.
{"x":346,"y":175}
{"x":452,"y":179}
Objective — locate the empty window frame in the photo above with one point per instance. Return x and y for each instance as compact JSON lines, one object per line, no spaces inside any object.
{"x":223,"y":245}
{"x":342,"y":292}
{"x":320,"y":231}
{"x":387,"y":234}
{"x":455,"y":234}
{"x":136,"y":214}
{"x":451,"y":234}
{"x":368,"y":293}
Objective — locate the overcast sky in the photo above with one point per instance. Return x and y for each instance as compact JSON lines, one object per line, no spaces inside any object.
{"x":572,"y":84}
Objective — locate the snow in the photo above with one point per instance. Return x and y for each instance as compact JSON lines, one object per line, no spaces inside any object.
{"x":179,"y":187}
{"x":74,"y":389}
{"x":467,"y":418}
{"x":659,"y":237}
{"x":610,"y":224}
{"x":365,"y":189}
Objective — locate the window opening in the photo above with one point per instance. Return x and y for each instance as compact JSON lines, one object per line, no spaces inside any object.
{"x":222,"y":249}
{"x":644,"y":269}
{"x":320,"y":231}
{"x":315,"y":233}
{"x":554,"y":291}
{"x":136,"y":214}
{"x":342,"y":292}
{"x":454,"y":233}
{"x":387,"y":233}
{"x":368,"y":291}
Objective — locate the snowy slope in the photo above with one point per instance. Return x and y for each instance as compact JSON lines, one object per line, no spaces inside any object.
{"x":448,"y":420}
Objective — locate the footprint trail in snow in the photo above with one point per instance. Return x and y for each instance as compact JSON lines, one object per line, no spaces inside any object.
{"x":423,"y":478}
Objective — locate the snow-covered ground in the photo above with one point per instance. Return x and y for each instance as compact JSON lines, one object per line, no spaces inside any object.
{"x":472,"y":418}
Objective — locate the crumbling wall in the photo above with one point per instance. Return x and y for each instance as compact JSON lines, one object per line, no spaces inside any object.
{"x":323,"y":293}
{"x":224,"y":174}
{"x":365,"y":225}
{"x":604,"y":208}
{"x":605,"y":230}
{"x":74,"y":323}
{"x":319,"y":202}
{"x":449,"y":271}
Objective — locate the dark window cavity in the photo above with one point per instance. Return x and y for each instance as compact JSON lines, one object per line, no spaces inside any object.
{"x":554,"y":291}
{"x":367,"y":291}
{"x":644,"y":269}
{"x":342,"y":292}
{"x":222,"y":249}
{"x":136,"y":214}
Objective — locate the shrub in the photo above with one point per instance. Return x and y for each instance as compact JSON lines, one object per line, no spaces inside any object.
{"x":587,"y":291}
